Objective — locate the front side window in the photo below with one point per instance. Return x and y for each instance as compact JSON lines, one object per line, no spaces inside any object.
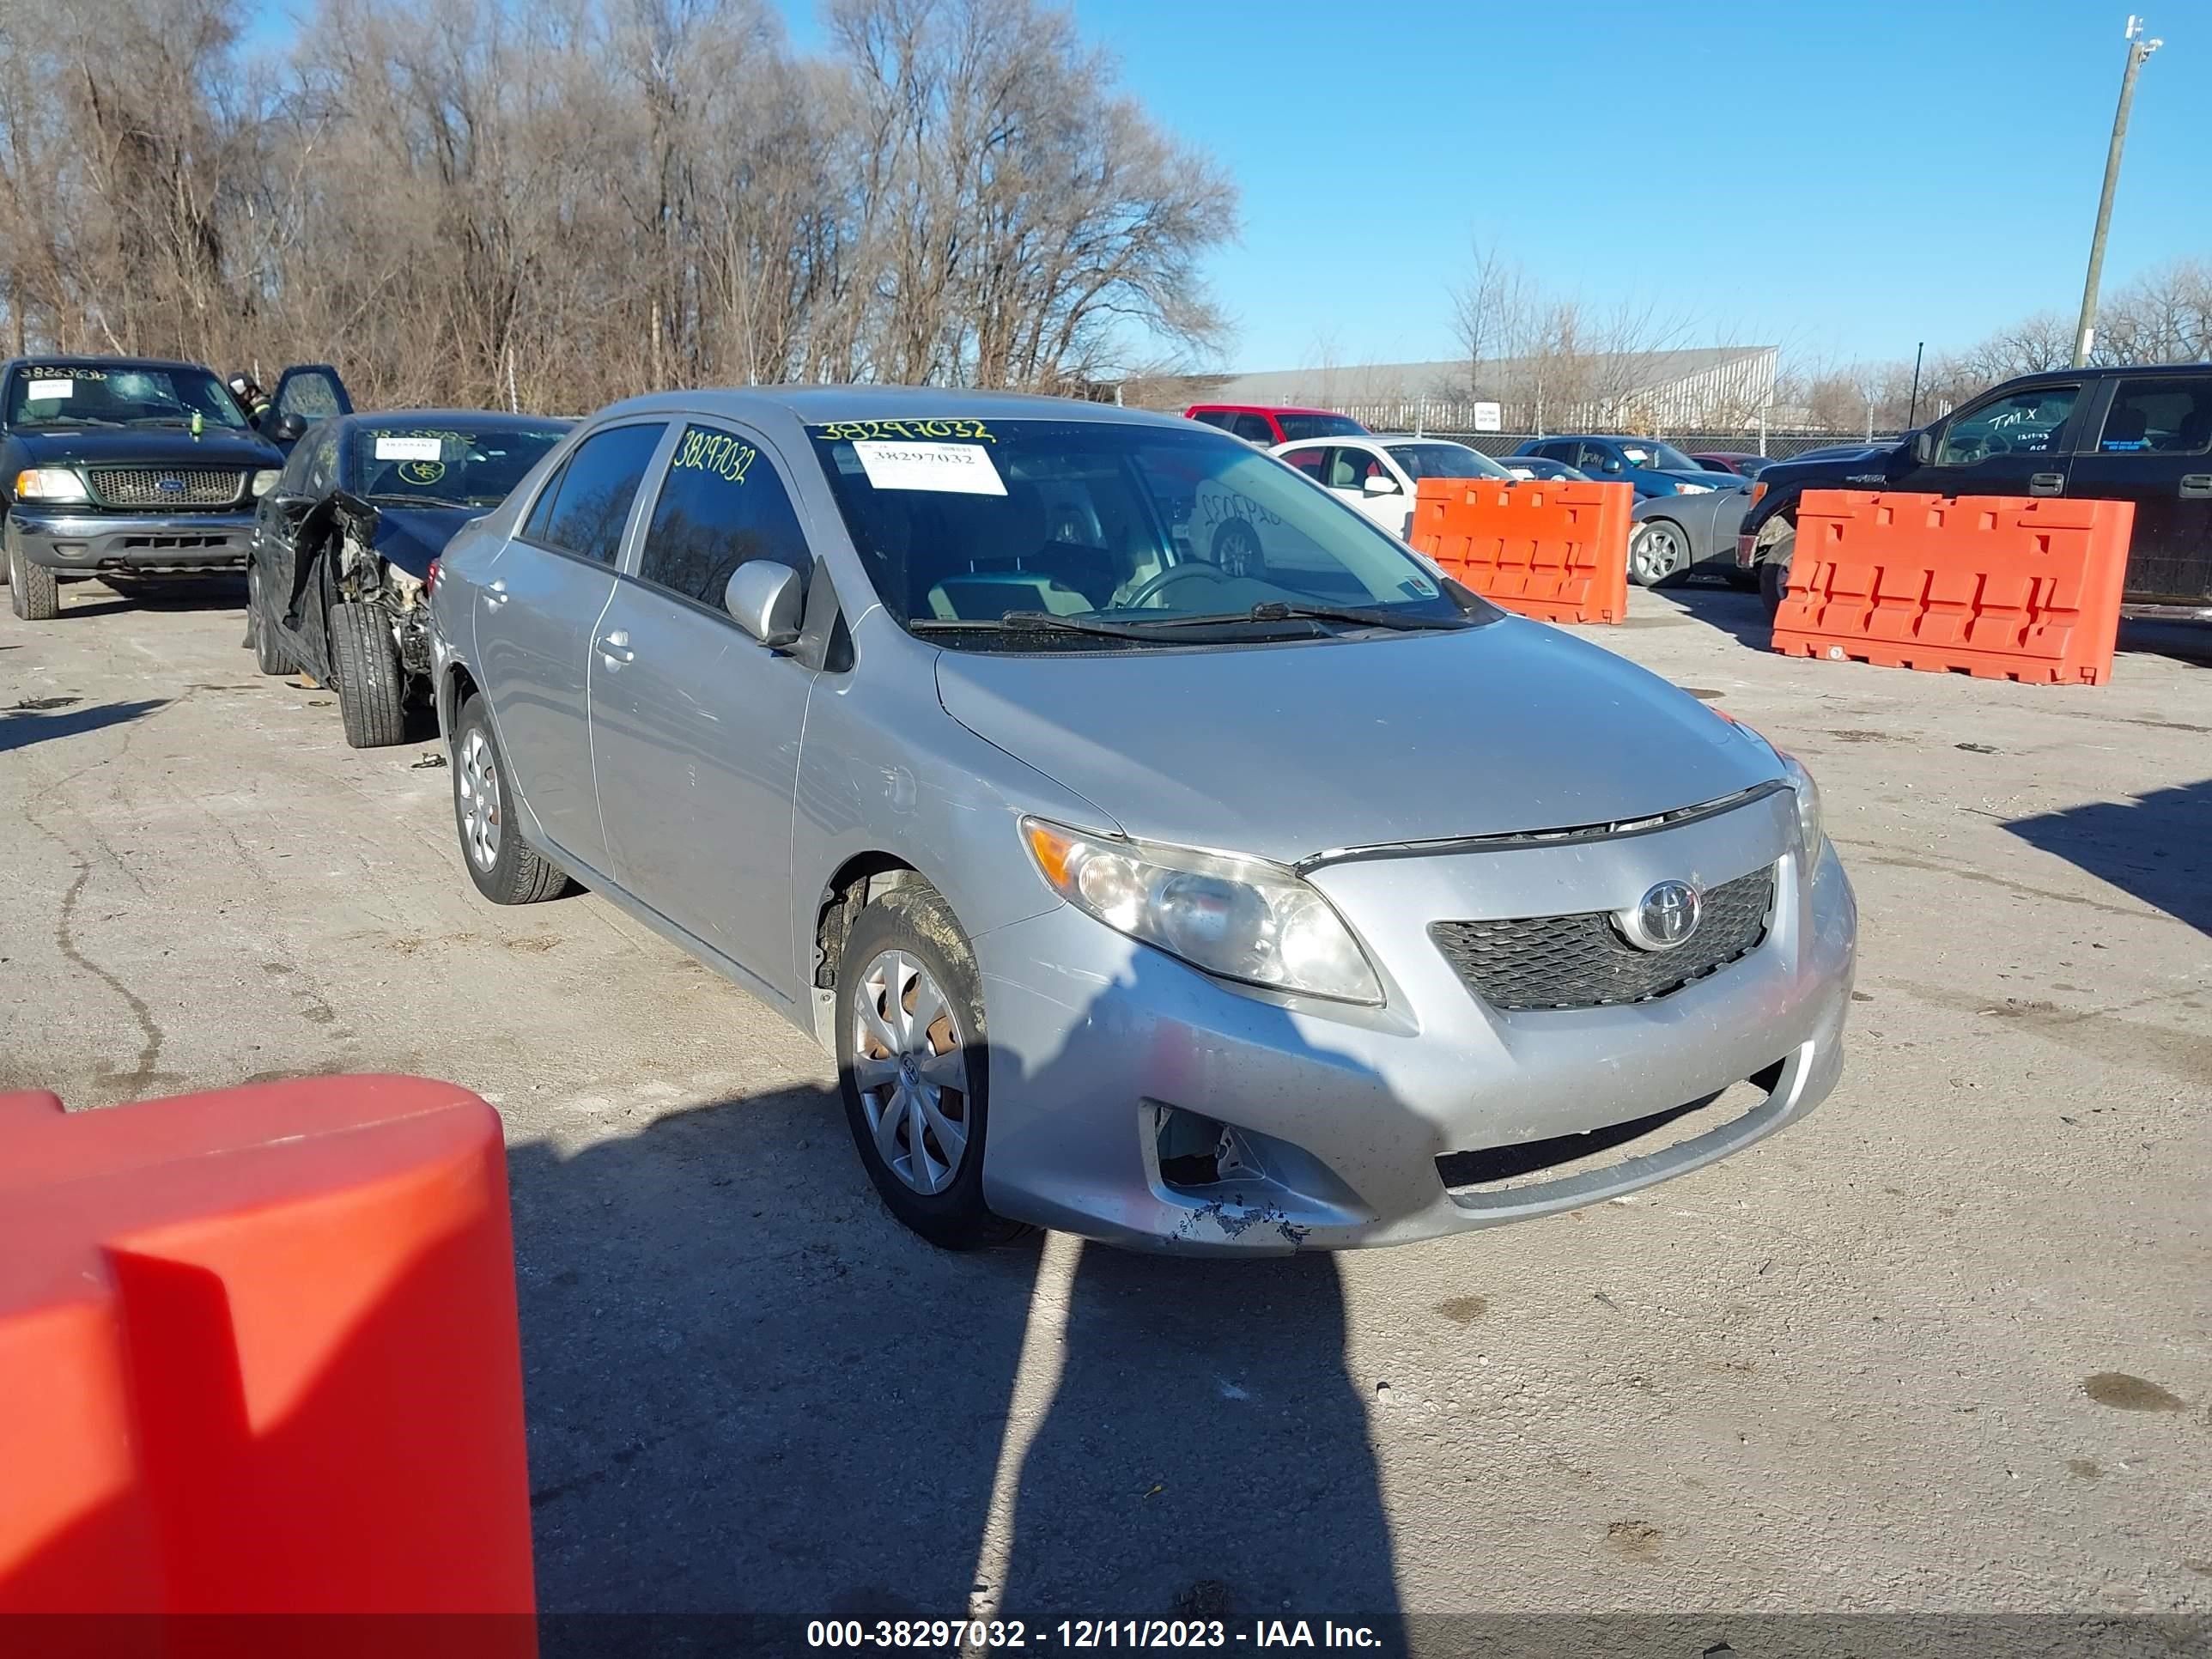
{"x":64,"y":394}
{"x":322,"y":452}
{"x":1593,"y":460}
{"x":584,"y":511}
{"x":1302,"y":429}
{"x":309,"y":394}
{"x":1349,"y":469}
{"x":2017,"y":424}
{"x":721,"y":504}
{"x":406,"y":462}
{"x":2171,"y":416}
{"x":1041,"y":529}
{"x":1445,"y":461}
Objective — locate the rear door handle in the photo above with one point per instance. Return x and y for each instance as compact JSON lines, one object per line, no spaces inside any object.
{"x":615,"y":647}
{"x":2046,"y":484}
{"x":496,"y":593}
{"x":2195,"y":486}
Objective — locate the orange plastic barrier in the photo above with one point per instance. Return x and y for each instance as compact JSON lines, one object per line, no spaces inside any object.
{"x":1555,"y":551}
{"x":258,"y":1354}
{"x":2003,"y":587}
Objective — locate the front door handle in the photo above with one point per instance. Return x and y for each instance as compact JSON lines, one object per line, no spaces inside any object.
{"x":2046,"y":484}
{"x":2195,"y":486}
{"x":615,"y":647}
{"x":496,"y":593}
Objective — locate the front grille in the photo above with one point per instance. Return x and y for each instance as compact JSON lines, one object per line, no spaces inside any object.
{"x":156,"y":486}
{"x":1581,"y":961}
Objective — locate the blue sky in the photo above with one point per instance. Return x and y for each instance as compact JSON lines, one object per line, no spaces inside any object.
{"x":1842,"y":179}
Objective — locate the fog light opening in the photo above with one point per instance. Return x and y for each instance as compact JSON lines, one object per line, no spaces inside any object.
{"x":1197,"y":1152}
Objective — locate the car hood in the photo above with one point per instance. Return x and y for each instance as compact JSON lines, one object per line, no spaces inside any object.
{"x":1285,"y":751}
{"x":143,"y":445}
{"x":1701,"y":477}
{"x":411,"y":536}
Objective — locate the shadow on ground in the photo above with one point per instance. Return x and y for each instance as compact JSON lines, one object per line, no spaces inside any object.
{"x":2157,"y":847}
{"x":28,"y":723}
{"x":1734,"y":611}
{"x":223,"y":593}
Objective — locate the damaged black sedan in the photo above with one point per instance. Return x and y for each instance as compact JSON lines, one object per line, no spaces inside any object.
{"x":342,"y":547}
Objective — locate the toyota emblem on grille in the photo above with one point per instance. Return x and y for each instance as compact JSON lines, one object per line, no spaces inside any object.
{"x":1664,"y":918}
{"x":170,"y":486}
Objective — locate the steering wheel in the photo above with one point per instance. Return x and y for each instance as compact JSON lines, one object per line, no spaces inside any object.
{"x":1198,"y":571}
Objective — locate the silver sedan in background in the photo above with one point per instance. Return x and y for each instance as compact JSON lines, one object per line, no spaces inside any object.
{"x":1671,"y":537}
{"x":1166,"y":852}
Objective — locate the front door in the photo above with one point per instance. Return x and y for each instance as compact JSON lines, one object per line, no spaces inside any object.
{"x":2153,"y":447}
{"x":695,"y":723}
{"x":2012,"y":443}
{"x":537,"y":613}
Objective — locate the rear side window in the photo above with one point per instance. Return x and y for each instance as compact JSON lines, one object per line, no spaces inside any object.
{"x":583,"y":511}
{"x":1298,"y":428}
{"x":1253,"y":427}
{"x":1308,"y":461}
{"x":1212,"y":416}
{"x":721,"y":505}
{"x":2160,"y":417}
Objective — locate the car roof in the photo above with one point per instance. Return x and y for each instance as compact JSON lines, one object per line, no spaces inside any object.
{"x":101,"y":360}
{"x":817,"y":405}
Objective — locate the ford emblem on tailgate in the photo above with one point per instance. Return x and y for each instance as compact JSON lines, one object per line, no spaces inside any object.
{"x":1664,"y":918}
{"x":170,"y":486}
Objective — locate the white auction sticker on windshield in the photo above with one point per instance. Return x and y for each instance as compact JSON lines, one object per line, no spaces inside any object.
{"x":409,"y":449}
{"x":958,"y":468}
{"x":50,"y":389}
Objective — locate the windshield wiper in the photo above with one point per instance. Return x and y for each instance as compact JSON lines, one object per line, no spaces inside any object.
{"x":1036,"y":621}
{"x":1276,"y":611}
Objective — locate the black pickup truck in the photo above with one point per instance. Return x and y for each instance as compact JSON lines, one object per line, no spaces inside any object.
{"x":134,"y":466}
{"x":2135,"y":434}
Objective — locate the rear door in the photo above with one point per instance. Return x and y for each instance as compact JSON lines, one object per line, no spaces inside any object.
{"x":2150,"y":442}
{"x":537,"y":616}
{"x":695,"y":723}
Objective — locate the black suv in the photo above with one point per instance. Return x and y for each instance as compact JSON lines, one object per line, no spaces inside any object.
{"x":2135,"y":434}
{"x":133,"y":465}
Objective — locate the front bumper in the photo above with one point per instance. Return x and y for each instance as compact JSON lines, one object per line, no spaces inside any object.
{"x":67,"y":539}
{"x":1095,"y":1040}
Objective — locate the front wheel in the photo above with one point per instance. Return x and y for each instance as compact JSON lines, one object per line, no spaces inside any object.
{"x":1658,"y":551}
{"x":914,"y":1066}
{"x":372,"y":690}
{"x":34,"y":593}
{"x":1774,"y":574}
{"x":505,"y":870}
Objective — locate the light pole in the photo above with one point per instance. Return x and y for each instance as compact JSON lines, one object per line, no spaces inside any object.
{"x":2138,"y":49}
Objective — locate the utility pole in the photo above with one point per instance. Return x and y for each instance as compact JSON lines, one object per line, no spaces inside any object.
{"x":1913,"y":408}
{"x":2138,"y":49}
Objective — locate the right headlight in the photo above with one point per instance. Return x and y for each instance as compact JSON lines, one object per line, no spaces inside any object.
{"x":49,"y":484}
{"x":1808,"y":805}
{"x":1239,"y":919}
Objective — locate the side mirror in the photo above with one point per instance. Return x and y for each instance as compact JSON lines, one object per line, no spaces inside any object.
{"x":1381,"y":484}
{"x":1923,"y":447}
{"x":766,"y":600}
{"x":1613,"y":464}
{"x":287,"y":429}
{"x":289,"y":506}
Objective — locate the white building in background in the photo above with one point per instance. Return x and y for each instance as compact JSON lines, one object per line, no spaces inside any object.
{"x":1707,"y":388}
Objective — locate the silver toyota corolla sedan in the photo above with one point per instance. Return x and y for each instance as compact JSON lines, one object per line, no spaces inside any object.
{"x":1166,"y":852}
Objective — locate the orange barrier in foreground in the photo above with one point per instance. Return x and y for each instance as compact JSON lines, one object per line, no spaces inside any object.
{"x":258,"y":1354}
{"x":1555,"y":551}
{"x":2003,"y":587}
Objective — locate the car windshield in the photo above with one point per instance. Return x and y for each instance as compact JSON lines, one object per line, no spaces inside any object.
{"x":59,"y":394}
{"x":1303,"y":429}
{"x":444,"y":463}
{"x":1055,"y":534}
{"x":1444,"y":460}
{"x":1664,"y":458}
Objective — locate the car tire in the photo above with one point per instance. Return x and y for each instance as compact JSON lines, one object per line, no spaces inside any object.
{"x":34,"y":593}
{"x":504,"y":867}
{"x":1658,"y":551}
{"x":1774,"y":572}
{"x":905,"y":956}
{"x":269,"y":656}
{"x":370,"y":688}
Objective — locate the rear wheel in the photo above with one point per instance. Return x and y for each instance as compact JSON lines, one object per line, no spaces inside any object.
{"x":1774,"y":572}
{"x":1658,"y":551}
{"x":34,"y":593}
{"x":372,"y":690}
{"x":913,"y":1064}
{"x":269,"y":656}
{"x":505,"y":870}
